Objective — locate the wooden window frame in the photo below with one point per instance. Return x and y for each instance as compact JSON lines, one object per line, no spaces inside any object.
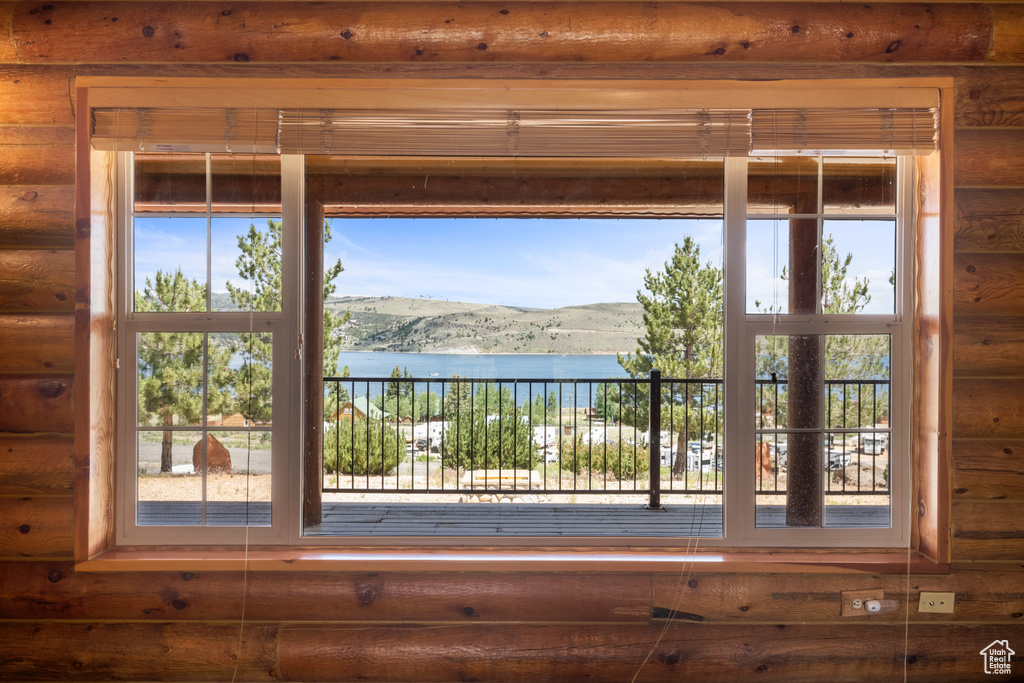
{"x":95,"y":548}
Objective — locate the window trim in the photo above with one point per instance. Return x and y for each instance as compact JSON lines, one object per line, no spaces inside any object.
{"x":94,"y":543}
{"x":739,"y":384}
{"x":282,"y":324}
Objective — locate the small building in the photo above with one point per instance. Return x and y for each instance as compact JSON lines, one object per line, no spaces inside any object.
{"x":358,"y":409}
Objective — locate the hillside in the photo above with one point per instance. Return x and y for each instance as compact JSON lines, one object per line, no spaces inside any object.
{"x":427,"y":325}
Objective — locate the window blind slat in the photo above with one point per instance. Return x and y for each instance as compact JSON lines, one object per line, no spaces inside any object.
{"x":665,"y":133}
{"x":185,"y":130}
{"x":515,"y":133}
{"x":824,"y":131}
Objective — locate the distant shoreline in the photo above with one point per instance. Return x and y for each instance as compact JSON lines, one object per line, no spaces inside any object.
{"x":401,"y":325}
{"x":484,"y":353}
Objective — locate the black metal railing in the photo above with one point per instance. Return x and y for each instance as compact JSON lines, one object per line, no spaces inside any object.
{"x":578,"y":438}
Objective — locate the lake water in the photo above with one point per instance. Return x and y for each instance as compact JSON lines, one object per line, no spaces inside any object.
{"x":482,"y":365}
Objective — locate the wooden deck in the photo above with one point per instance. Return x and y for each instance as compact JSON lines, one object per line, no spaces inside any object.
{"x":489,"y":519}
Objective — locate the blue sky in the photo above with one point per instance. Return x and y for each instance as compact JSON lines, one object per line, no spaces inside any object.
{"x":539,"y":263}
{"x":872,"y":244}
{"x":167,"y":243}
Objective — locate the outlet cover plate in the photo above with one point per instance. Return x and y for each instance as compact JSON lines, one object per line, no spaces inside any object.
{"x":936,"y":602}
{"x":848,"y":610}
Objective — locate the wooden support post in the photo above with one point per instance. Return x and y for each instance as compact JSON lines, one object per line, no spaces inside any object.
{"x":655,"y":441}
{"x":313,"y":362}
{"x":804,"y":488}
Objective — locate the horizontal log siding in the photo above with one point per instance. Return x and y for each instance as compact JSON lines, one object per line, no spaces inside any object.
{"x":53,"y":590}
{"x":35,"y":464}
{"x":37,"y":216}
{"x":56,"y":623}
{"x":510,"y":32}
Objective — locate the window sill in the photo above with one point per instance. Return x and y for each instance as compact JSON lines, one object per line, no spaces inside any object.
{"x":461,"y":558}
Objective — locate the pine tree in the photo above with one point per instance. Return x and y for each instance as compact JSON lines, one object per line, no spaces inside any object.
{"x":170,"y":372}
{"x":260,"y":265}
{"x":683,"y":325}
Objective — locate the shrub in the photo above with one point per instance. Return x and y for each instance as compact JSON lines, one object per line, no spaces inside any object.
{"x":620,"y":459}
{"x":361,"y":447}
{"x":488,"y":443}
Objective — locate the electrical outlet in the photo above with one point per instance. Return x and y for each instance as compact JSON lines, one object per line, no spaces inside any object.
{"x":853,"y":601}
{"x":936,"y":602}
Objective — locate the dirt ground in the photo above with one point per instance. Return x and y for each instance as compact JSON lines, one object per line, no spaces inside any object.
{"x":237,"y":487}
{"x":233,"y":487}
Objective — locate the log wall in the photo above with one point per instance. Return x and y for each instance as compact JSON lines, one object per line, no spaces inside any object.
{"x":56,"y":623}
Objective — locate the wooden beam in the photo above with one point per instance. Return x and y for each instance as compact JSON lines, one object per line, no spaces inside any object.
{"x":254,"y":32}
{"x":37,"y":165}
{"x":803,"y":598}
{"x":36,"y":527}
{"x":37,"y":281}
{"x":55,"y":590}
{"x":1007,"y":40}
{"x":987,"y":530}
{"x":988,"y":284}
{"x":805,"y":506}
{"x":989,"y":97}
{"x":988,"y":158}
{"x":681,"y":650}
{"x":989,"y":346}
{"x":54,"y":136}
{"x":313,"y":363}
{"x":988,"y":470}
{"x":39,"y":216}
{"x":35,"y":464}
{"x":140,"y":651}
{"x":552,"y":186}
{"x":36,"y":95}
{"x":989,"y":220}
{"x":36,"y":403}
{"x":37,"y":343}
{"x":988,"y":408}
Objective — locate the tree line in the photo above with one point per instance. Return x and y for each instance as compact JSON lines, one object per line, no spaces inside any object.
{"x":171,"y":365}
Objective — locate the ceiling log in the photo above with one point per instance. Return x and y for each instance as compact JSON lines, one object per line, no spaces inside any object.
{"x":481,"y":32}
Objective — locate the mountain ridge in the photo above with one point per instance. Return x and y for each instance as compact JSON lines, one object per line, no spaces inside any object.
{"x":403,"y":324}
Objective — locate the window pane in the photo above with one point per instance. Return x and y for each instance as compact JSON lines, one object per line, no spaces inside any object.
{"x":220,"y":479}
{"x":246,"y":263}
{"x":782,"y":185}
{"x":767,"y":261}
{"x":859,"y":185}
{"x":238,"y":478}
{"x":248,"y":378}
{"x":170,"y":264}
{"x":529,"y":269}
{"x":169,"y":493}
{"x":170,"y":183}
{"x":245,"y":183}
{"x":170,"y":378}
{"x":822,"y":430}
{"x":859,"y":267}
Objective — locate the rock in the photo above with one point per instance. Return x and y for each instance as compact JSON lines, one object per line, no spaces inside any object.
{"x":862,"y":476}
{"x":505,"y":500}
{"x":485,"y":498}
{"x":763,"y":458}
{"x":218,"y":459}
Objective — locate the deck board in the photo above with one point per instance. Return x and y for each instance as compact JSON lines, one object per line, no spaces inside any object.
{"x":490,"y":519}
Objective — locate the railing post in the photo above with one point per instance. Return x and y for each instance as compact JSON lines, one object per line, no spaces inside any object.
{"x":654,"y":501}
